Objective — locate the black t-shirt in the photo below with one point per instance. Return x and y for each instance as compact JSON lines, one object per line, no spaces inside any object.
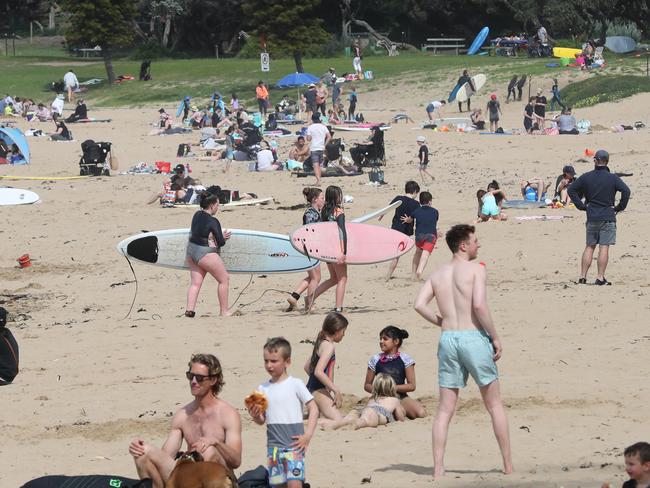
{"x":64,"y":130}
{"x":423,"y":154}
{"x":406,"y":208}
{"x":540,"y":109}
{"x":529,"y":111}
{"x":310,"y":97}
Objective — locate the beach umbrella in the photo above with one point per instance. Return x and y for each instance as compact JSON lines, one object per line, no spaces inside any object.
{"x":296,"y":79}
{"x":15,"y":136}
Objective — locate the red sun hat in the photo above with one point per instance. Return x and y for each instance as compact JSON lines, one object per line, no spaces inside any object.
{"x":493,"y":96}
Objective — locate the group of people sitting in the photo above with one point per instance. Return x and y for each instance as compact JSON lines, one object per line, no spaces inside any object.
{"x":31,"y":111}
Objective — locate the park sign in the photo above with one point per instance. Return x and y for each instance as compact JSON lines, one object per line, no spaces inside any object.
{"x":265,"y":61}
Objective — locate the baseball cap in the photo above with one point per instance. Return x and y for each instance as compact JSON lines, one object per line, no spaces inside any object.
{"x":602,"y":155}
{"x":421,"y":139}
{"x":570,"y":170}
{"x":493,"y":96}
{"x":311,"y":85}
{"x":315,"y":117}
{"x":178,"y":168}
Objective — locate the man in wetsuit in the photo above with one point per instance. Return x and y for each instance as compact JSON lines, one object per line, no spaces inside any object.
{"x":465,"y":78}
{"x":469,"y":343}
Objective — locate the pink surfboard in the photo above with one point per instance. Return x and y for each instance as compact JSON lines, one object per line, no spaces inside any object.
{"x":367,"y":244}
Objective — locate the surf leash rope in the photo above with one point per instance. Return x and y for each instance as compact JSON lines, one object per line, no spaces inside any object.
{"x":136,"y":287}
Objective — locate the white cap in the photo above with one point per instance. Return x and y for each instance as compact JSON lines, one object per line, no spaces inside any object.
{"x":421,"y":139}
{"x":348,"y":199}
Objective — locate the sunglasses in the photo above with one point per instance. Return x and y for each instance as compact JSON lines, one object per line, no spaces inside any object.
{"x":200,"y":378}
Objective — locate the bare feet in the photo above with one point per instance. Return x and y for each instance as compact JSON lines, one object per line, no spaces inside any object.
{"x":293,"y":304}
{"x":438,"y":472}
{"x":508,"y":469}
{"x":359,"y":424}
{"x":231,"y":313}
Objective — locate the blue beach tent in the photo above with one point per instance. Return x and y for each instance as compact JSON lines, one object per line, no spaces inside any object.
{"x":15,"y":136}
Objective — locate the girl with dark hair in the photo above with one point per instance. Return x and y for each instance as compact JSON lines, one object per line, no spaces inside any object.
{"x":333,"y":212}
{"x":320,"y":366}
{"x":316,"y":199}
{"x":206,"y":238}
{"x":399,"y":366}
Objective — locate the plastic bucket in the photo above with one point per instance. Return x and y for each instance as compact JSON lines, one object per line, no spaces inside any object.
{"x":565,"y":61}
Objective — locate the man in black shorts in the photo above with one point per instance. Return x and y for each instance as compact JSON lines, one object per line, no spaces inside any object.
{"x":598,"y":189}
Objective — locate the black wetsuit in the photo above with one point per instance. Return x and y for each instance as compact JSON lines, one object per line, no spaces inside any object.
{"x":204,"y":224}
{"x":328,"y":216}
{"x":80,"y":113}
{"x":461,"y":81}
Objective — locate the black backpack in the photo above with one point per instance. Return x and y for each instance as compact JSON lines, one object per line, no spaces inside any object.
{"x":8,"y":351}
{"x":183,"y":150}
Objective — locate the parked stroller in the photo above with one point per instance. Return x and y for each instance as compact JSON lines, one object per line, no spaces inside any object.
{"x":94,"y":162}
{"x":372,"y":154}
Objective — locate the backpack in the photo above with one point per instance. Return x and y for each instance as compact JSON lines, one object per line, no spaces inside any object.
{"x":376,"y":175}
{"x":8,"y":352}
{"x":271,"y":123}
{"x":255,"y":478}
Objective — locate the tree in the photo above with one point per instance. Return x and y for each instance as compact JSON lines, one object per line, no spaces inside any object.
{"x":286,"y":26}
{"x":104,"y":23}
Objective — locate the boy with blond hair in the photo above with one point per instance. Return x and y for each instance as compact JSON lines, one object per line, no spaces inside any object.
{"x":287,"y":440}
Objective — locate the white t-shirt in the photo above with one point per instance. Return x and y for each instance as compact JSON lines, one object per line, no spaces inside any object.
{"x":542,"y":34}
{"x":318,"y":133}
{"x":70,"y":80}
{"x":436,"y":104}
{"x":284,"y":413}
{"x":264,"y":160}
{"x":57,"y":106}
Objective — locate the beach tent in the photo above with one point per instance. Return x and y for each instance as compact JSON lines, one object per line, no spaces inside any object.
{"x":296,"y":79}
{"x":15,"y":136}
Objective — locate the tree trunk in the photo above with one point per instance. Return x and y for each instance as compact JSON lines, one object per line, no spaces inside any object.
{"x":51,"y":20}
{"x":167,"y":30}
{"x":297,"y":57}
{"x":108,"y":63}
{"x":380,"y":37}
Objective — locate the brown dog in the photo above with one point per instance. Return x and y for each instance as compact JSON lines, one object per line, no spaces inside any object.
{"x":191,"y":471}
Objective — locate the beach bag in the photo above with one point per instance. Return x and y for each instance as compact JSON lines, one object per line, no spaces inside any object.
{"x":183,"y":150}
{"x":376,"y":175}
{"x":8,"y":351}
{"x":368,"y":75}
{"x":164,"y":166}
{"x":255,"y":478}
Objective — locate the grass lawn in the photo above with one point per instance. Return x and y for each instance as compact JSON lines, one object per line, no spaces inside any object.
{"x":174,"y":78}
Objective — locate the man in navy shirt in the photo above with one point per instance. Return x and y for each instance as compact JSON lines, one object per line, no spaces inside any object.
{"x":598,"y":189}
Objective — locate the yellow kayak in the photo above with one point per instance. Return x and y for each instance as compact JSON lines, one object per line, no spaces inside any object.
{"x":565,"y":52}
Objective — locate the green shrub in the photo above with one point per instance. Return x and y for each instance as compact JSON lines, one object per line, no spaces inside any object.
{"x":600,"y":89}
{"x":622,"y":28}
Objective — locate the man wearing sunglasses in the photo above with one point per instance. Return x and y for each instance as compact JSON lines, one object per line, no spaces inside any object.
{"x":207,"y":424}
{"x":598,"y":188}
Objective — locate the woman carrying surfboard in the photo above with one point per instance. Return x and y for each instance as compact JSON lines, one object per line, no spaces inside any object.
{"x":333,"y":212}
{"x":206,"y":238}
{"x":316,"y":199}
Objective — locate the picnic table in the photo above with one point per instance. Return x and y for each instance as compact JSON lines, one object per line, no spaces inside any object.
{"x":88,"y":52}
{"x":435,"y":43}
{"x":506,"y":47}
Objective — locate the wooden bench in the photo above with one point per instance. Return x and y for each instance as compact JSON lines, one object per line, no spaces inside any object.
{"x":454,"y":43}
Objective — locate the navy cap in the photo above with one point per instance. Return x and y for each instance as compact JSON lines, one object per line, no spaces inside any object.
{"x":570,"y":170}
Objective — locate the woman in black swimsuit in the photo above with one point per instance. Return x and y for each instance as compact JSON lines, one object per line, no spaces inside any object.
{"x":206,"y":238}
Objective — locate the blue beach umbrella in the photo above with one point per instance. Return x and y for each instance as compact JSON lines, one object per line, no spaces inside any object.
{"x":15,"y":136}
{"x":296,"y":79}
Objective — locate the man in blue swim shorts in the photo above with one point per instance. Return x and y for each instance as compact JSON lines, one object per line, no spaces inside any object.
{"x":469,"y":344}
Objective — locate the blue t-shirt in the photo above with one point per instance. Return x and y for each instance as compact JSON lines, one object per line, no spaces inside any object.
{"x":406,"y":208}
{"x":353,"y":97}
{"x":426,"y":220}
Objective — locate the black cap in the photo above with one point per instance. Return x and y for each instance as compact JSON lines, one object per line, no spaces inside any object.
{"x":570,"y":170}
{"x":178,"y":168}
{"x":315,"y":117}
{"x":602,"y":155}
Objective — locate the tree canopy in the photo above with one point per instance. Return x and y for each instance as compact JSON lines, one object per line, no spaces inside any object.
{"x":104,"y":23}
{"x":286,"y":26}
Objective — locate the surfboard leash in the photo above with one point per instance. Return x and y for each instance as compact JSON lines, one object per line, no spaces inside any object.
{"x":136,"y":287}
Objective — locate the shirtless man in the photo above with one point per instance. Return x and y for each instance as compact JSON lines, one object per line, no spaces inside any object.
{"x":469,"y":343}
{"x":208,"y":425}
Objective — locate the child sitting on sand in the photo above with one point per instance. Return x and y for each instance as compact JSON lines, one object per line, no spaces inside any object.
{"x":320,"y":366}
{"x":399,"y":366}
{"x":487,"y":205}
{"x":383,"y":408}
{"x":637,"y":466}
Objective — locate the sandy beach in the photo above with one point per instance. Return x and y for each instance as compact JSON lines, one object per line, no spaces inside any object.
{"x":573,"y":372}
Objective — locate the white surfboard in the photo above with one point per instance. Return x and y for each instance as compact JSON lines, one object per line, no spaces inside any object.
{"x":466,"y":91}
{"x":226,"y":206}
{"x":17,"y":196}
{"x":247,"y":251}
{"x":376,"y":213}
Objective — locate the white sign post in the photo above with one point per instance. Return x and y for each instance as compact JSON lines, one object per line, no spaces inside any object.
{"x":265,"y":61}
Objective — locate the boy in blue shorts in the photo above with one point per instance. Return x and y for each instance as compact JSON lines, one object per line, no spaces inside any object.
{"x":287,"y":440}
{"x":402,"y":212}
{"x":426,"y":234}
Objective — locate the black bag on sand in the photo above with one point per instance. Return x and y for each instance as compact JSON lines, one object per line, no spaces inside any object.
{"x":258,"y":478}
{"x":8,"y":351}
{"x":183,"y":150}
{"x":91,"y":481}
{"x":376,"y":175}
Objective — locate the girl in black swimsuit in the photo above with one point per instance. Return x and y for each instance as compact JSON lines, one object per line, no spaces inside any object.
{"x":206,"y":238}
